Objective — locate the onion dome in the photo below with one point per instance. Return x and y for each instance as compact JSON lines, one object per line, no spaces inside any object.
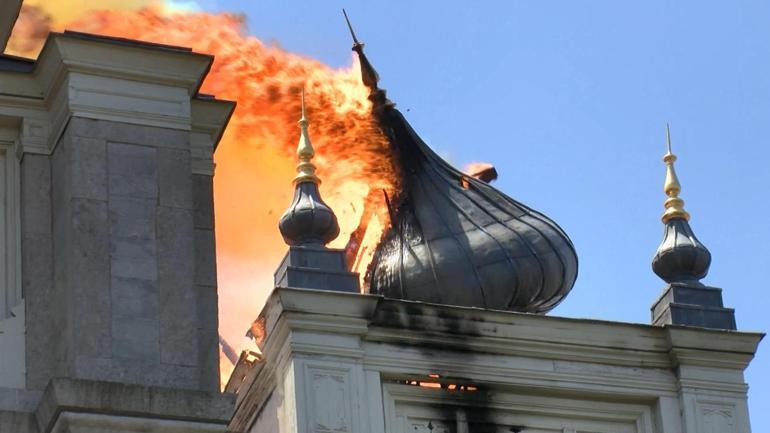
{"x":680,"y":258}
{"x":455,"y":239}
{"x":308,"y":221}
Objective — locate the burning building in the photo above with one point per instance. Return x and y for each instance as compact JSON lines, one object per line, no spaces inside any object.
{"x":412,"y":296}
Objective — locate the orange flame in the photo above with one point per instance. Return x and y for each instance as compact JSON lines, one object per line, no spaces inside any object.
{"x":256,"y":157}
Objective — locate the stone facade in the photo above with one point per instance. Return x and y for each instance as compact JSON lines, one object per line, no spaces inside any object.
{"x":339,"y":362}
{"x":117,"y":327}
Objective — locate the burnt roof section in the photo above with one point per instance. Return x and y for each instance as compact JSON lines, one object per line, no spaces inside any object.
{"x":455,"y":239}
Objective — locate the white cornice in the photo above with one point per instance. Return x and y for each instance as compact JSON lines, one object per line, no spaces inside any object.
{"x":388,"y":335}
{"x":79,"y":75}
{"x":209,"y":117}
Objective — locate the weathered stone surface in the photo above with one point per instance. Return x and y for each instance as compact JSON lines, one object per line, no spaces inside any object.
{"x":134,"y":338}
{"x":36,"y":194}
{"x":89,"y":277}
{"x":205,"y":258}
{"x":89,"y":168}
{"x":124,"y":257}
{"x":86,"y":396}
{"x":203,"y":201}
{"x":129,"y":133}
{"x":37,"y":267}
{"x":174,"y":178}
{"x":132,"y":238}
{"x":134,"y":298}
{"x":132,"y":171}
{"x":178,"y":319}
{"x":208,"y":337}
{"x":37,"y":281}
{"x":13,"y":399}
{"x":17,"y":422}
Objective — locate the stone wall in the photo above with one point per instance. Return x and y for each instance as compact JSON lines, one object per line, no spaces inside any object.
{"x":129,"y":236}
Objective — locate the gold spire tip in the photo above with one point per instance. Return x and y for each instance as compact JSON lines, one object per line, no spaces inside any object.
{"x":305,"y":169}
{"x":673,"y":204}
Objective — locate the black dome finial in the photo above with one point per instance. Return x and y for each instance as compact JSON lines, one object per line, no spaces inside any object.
{"x":680,"y":258}
{"x":308,"y":220}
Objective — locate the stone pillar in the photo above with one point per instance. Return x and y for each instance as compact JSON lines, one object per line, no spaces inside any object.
{"x":118,"y":265}
{"x":125,"y":257}
{"x":710,"y":382}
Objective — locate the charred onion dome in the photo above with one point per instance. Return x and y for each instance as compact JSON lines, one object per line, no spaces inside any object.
{"x":457,"y":240}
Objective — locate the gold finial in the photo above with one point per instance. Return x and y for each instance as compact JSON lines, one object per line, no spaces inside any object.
{"x":305,"y":168}
{"x":673,"y":204}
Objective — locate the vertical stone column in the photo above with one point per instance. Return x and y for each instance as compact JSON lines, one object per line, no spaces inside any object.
{"x":712,"y":389}
{"x":127,"y":263}
{"x":206,"y":278}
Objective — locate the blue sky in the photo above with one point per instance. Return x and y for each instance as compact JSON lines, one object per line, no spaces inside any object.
{"x":569,"y":101}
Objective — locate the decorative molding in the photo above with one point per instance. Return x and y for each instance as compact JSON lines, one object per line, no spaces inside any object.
{"x":118,"y":80}
{"x":34,"y":136}
{"x":408,"y":407}
{"x":10,"y":230}
{"x":329,"y":400}
{"x":553,"y":374}
{"x":209,"y":117}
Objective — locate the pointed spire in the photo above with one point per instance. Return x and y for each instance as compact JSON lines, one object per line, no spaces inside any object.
{"x":308,"y":221}
{"x":680,"y":257}
{"x":305,"y":169}
{"x":368,"y":74}
{"x":673,"y":204}
{"x":681,"y":260}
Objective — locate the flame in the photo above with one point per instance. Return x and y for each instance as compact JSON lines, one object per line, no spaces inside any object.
{"x":256,"y":157}
{"x":476,"y":167}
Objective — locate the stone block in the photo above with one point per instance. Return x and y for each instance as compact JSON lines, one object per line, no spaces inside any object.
{"x":87,"y":396}
{"x":132,"y":171}
{"x":134,"y":298}
{"x":205,"y":258}
{"x":208,"y":337}
{"x":203,"y":201}
{"x":129,"y":133}
{"x":89,"y":168}
{"x":89,"y":277}
{"x":36,"y":194}
{"x":692,"y":305}
{"x":176,"y":261}
{"x":37,"y":281}
{"x":316,"y":268}
{"x":151,"y":373}
{"x":133,"y":250}
{"x":175,"y":178}
{"x":94,"y":368}
{"x":15,"y":399}
{"x":17,"y":422}
{"x":135,"y":339}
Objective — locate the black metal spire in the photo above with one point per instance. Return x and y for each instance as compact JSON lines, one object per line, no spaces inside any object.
{"x":308,"y":220}
{"x":681,"y":257}
{"x":457,"y":240}
{"x":682,"y":261}
{"x":307,"y":226}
